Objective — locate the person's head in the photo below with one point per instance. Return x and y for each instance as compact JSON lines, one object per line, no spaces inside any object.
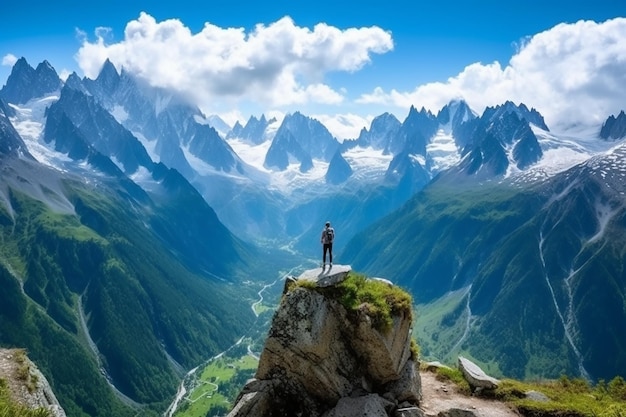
{"x":327,"y":224}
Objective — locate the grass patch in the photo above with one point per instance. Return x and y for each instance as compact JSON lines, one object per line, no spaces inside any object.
{"x":377,"y":299}
{"x":261,"y":308}
{"x":10,"y":408}
{"x":23,"y":372}
{"x":567,"y":397}
{"x":446,"y":374}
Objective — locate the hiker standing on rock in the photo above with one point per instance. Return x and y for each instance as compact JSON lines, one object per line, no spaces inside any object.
{"x":328,"y":236}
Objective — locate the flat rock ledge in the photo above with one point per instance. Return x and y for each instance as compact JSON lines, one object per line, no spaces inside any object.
{"x":326,"y":276}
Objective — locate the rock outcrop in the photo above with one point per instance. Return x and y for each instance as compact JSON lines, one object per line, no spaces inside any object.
{"x":27,"y":385}
{"x":475,"y":376}
{"x":325,"y":359}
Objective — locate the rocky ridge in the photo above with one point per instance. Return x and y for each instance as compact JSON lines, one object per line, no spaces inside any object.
{"x":27,"y":385}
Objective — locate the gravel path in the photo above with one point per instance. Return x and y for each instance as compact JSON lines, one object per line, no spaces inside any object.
{"x":441,"y":396}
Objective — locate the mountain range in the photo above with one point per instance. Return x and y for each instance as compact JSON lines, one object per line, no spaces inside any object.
{"x":525,"y":272}
{"x":133,"y":226}
{"x":117,"y":276}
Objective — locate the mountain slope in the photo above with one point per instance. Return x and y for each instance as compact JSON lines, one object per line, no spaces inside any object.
{"x":111,"y":259}
{"x":117,"y":276}
{"x":547,"y":258}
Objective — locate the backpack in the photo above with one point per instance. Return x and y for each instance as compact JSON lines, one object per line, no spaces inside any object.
{"x":330,"y":234}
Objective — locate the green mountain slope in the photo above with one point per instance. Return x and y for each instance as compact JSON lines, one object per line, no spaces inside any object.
{"x":528,"y":280}
{"x":103,"y":287}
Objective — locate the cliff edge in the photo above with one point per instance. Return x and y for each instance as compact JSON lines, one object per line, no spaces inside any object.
{"x":27,"y":386}
{"x":339,"y":345}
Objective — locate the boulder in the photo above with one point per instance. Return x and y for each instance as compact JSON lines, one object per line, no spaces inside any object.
{"x":537,"y":396}
{"x":367,"y":406}
{"x":305,"y":346}
{"x":475,"y":376}
{"x":385,"y":353}
{"x":408,"y":387}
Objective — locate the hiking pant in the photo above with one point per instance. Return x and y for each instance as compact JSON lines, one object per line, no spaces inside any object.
{"x":327,"y":247}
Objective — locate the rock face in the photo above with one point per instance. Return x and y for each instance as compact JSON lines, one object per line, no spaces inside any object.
{"x":320,"y":359}
{"x":27,"y":385}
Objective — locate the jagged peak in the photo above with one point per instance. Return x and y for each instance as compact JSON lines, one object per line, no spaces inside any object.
{"x":22,"y":62}
{"x":108,"y":71}
{"x":45,"y":65}
{"x":523,"y":107}
{"x":422,"y":112}
{"x":386,"y":116}
{"x":521,"y":110}
{"x":460,"y":105}
{"x":75,"y":82}
{"x":252,"y":119}
{"x":456,"y":111}
{"x":614,"y":127}
{"x":297,"y":116}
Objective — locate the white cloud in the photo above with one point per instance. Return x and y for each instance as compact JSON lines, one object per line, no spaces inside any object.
{"x":233,"y":116}
{"x":9,"y":60}
{"x":274,"y":65}
{"x":570,"y":72}
{"x":344,"y":126}
{"x":64,"y":74}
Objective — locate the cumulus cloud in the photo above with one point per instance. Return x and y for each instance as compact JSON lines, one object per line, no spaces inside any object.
{"x":9,"y":60}
{"x":572,"y":72}
{"x":276,"y":65}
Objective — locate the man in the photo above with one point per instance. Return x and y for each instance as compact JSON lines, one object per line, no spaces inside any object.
{"x":328,"y":236}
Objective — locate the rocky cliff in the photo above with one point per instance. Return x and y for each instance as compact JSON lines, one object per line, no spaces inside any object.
{"x":27,"y":386}
{"x":339,"y":345}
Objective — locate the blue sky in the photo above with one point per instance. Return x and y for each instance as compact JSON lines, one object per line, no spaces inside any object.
{"x":342,"y":62}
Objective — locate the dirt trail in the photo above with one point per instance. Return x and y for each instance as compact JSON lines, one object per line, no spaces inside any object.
{"x":440,"y":396}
